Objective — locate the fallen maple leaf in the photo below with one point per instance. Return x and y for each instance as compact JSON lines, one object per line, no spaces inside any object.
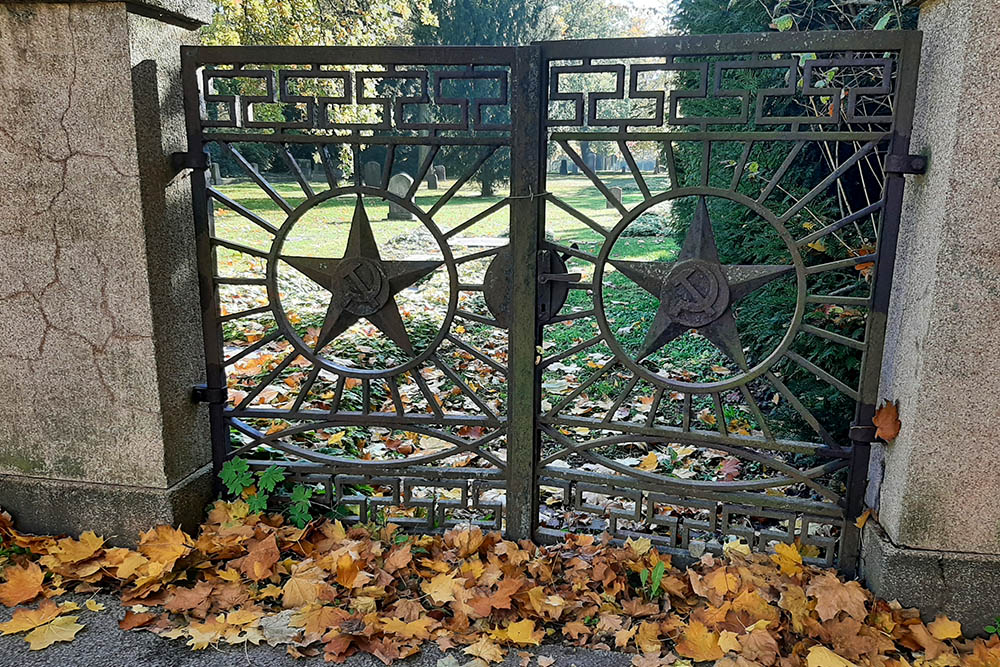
{"x":62,"y":629}
{"x":524,"y":634}
{"x":486,"y":649}
{"x":441,"y":588}
{"x":649,"y":462}
{"x":821,"y":656}
{"x":833,"y":596}
{"x":886,"y":421}
{"x":944,"y":628}
{"x":23,"y":584}
{"x":28,"y":619}
{"x":788,"y":558}
{"x":165,"y":545}
{"x":699,"y":643}
{"x":260,"y":560}
{"x":135,"y":620}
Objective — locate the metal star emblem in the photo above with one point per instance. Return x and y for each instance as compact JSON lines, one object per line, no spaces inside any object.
{"x":362,"y":284}
{"x":697,"y":291}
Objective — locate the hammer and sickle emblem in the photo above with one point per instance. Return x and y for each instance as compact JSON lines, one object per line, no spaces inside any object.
{"x":696,"y":301}
{"x":364,"y":285}
{"x":695,"y":293}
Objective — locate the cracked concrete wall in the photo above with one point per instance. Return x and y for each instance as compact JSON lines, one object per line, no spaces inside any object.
{"x":99,"y":315}
{"x":939,"y":486}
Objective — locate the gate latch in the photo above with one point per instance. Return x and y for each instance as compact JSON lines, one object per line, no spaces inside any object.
{"x":905,"y":164}
{"x":188,"y":160}
{"x":200,"y":393}
{"x":544,"y":278}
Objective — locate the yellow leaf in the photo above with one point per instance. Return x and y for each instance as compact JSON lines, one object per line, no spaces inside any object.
{"x":943,"y":627}
{"x":639,"y":546}
{"x":735,"y":547}
{"x":728,"y":642}
{"x":486,"y":649}
{"x":834,"y":596}
{"x":165,"y":544}
{"x":62,"y":629}
{"x":648,"y":638}
{"x":419,"y":629}
{"x":441,"y":588}
{"x":93,"y":605}
{"x":649,"y":462}
{"x":821,"y":656}
{"x":788,"y":558}
{"x":523,"y":633}
{"x":699,"y":644}
{"x":863,"y":519}
{"x":29,"y":619}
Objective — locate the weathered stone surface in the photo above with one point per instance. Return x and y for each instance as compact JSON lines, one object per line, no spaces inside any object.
{"x":936,"y":485}
{"x":399,"y":185}
{"x":617,"y":194}
{"x":440,"y":172}
{"x":119,"y":513}
{"x":372,"y":174}
{"x":963,"y":586}
{"x":432,"y":180}
{"x":100,"y":322}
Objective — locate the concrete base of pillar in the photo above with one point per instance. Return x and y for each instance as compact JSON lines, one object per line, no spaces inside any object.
{"x":964,"y":586}
{"x":116,"y":512}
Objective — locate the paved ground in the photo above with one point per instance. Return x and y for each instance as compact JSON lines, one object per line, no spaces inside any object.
{"x":102,"y":644}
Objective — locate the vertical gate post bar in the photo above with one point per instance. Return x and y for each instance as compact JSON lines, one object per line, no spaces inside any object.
{"x":215,"y":375}
{"x":523,"y":388}
{"x":871,"y":362}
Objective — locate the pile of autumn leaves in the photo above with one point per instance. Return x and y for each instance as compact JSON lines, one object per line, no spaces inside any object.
{"x":336,"y":591}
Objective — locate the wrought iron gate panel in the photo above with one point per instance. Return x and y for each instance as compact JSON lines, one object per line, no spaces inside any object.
{"x":431,"y":429}
{"x":544,"y":370}
{"x":783,"y":136}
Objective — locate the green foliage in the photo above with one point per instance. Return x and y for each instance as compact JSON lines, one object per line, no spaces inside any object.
{"x":649,"y":224}
{"x":745,"y":238}
{"x":651,"y":580}
{"x":298,"y":511}
{"x":995,"y":628}
{"x":257,"y":490}
{"x":236,"y":475}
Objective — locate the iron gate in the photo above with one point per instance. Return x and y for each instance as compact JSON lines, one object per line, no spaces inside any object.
{"x":661,"y":327}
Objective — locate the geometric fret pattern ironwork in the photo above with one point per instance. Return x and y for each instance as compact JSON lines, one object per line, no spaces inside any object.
{"x":688,"y":351}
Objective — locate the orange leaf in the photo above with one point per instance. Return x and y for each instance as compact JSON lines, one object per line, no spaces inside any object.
{"x":165,"y":545}
{"x":23,"y":584}
{"x":261,"y":558}
{"x":886,"y":421}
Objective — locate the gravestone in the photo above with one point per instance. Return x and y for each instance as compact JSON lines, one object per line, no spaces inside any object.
{"x":440,"y":172}
{"x":305,"y":166}
{"x":617,"y":194}
{"x":599,"y":163}
{"x":371,"y":175}
{"x":432,"y":180}
{"x":399,"y":185}
{"x":574,"y":169}
{"x":563,"y":167}
{"x":216,"y":174}
{"x":591,"y":161}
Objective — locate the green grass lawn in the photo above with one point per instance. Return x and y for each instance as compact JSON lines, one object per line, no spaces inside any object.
{"x":323,"y":230}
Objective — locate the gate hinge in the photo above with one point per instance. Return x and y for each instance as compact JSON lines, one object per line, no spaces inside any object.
{"x":189,"y":160}
{"x":905,"y":164}
{"x":862,"y":433}
{"x":200,"y":393}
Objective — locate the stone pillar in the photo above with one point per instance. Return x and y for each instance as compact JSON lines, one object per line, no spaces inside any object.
{"x":937,"y":487}
{"x":100,"y":326}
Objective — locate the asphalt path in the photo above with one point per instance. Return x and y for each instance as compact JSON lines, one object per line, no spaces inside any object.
{"x":102,"y":643}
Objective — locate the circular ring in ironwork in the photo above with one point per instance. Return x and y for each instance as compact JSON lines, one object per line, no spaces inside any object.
{"x":696,"y":282}
{"x":365,"y":283}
